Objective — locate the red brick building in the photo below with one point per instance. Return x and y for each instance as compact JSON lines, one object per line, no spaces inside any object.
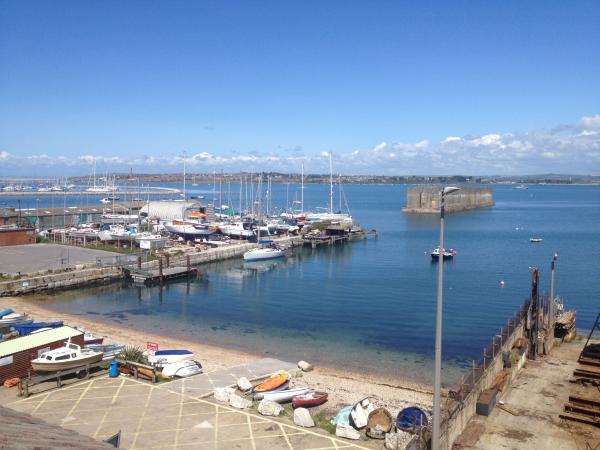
{"x":16,"y":236}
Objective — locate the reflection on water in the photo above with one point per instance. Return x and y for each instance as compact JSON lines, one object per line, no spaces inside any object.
{"x":370,"y":305}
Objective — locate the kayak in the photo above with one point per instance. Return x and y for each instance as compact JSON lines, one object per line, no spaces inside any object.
{"x":260,"y":395}
{"x":309,"y":399}
{"x":272,"y":383}
{"x":286,"y":395}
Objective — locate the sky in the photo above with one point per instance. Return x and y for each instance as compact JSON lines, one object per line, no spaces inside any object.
{"x":388,"y":87}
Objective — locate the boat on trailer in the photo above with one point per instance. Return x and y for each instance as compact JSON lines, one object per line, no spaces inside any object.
{"x":67,"y":357}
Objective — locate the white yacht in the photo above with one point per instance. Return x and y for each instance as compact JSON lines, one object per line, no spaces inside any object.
{"x":67,"y":357}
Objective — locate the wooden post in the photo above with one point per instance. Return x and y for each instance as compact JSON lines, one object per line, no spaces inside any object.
{"x":160,"y":269}
{"x":168,"y":259}
{"x":188,"y":262}
{"x":139,"y":262}
{"x":484,"y":356}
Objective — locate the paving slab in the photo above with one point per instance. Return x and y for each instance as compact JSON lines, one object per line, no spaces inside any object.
{"x":165,"y":416}
{"x":204,"y":384}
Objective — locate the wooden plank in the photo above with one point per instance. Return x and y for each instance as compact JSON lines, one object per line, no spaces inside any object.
{"x":580,"y":418}
{"x":507,"y":409}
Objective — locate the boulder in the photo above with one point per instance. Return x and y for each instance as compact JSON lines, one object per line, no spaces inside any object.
{"x":269,"y":408}
{"x":243,"y":384}
{"x":302,"y":418}
{"x":399,"y":439}
{"x":306,"y":367}
{"x":346,"y":431}
{"x":239,"y":402}
{"x":223,"y":394}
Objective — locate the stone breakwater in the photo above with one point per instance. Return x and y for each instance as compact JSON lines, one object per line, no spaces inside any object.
{"x":426,"y":200}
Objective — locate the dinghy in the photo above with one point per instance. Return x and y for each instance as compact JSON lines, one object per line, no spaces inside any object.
{"x":67,"y":357}
{"x":380,"y":421}
{"x":163,"y":357}
{"x":5,"y":312}
{"x":410,"y":418}
{"x":360,"y":413}
{"x":535,"y":240}
{"x":285,"y":395}
{"x":309,"y":399}
{"x":185,"y":368}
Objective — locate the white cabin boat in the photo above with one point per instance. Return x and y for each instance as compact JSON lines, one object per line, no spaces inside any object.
{"x":67,"y":357}
{"x":259,"y":254}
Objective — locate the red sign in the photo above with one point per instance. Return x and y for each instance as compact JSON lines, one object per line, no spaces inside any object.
{"x":152,"y":346}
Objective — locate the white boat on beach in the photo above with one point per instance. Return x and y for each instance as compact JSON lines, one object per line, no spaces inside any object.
{"x":185,"y":368}
{"x":286,"y":395}
{"x":67,"y":357}
{"x":15,"y":319}
{"x":163,"y":357}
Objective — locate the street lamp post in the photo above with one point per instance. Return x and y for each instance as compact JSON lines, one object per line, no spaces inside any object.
{"x":551,"y":312}
{"x":437,"y":416}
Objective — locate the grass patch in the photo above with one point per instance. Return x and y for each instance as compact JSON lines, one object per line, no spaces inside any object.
{"x":323,"y":421}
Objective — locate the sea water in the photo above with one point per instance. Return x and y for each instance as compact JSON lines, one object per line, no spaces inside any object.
{"x":370,"y":305}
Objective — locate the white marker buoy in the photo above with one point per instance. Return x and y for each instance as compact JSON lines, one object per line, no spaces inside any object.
{"x":502,"y":283}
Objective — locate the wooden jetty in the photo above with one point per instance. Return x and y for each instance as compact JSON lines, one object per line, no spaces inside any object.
{"x":160,"y":275}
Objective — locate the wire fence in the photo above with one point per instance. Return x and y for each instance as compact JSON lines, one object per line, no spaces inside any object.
{"x":473,"y":376}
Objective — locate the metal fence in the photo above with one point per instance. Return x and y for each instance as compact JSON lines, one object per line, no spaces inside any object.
{"x":479,"y":367}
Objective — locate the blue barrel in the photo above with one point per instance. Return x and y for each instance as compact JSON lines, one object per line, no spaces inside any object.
{"x":113,"y":369}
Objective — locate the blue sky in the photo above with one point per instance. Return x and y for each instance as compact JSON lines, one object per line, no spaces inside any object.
{"x":267,"y":84}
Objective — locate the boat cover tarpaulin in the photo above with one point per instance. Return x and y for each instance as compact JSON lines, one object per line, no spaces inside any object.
{"x":27,"y":328}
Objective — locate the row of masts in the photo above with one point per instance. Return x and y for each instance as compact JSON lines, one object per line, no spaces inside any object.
{"x":250,"y":199}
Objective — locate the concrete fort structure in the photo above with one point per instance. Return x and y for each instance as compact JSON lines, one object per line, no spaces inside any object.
{"x":426,"y":199}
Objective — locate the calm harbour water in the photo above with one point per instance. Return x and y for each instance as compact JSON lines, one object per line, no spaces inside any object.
{"x":370,"y":306}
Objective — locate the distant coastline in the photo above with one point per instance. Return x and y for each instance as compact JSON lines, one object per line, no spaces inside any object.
{"x":277,"y":177}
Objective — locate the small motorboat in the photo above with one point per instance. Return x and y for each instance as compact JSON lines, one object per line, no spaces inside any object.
{"x":309,"y":399}
{"x":272,"y":383}
{"x":535,"y":240}
{"x":259,"y":254}
{"x":164,"y":357}
{"x":109,"y":350}
{"x":185,"y":368}
{"x":6,"y":311}
{"x":15,"y":319}
{"x":285,"y":395}
{"x":67,"y":357}
{"x":448,"y":254}
{"x":360,"y":413}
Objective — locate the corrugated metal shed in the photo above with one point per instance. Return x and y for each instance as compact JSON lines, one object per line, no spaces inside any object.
{"x":167,"y":209}
{"x":36,"y":340}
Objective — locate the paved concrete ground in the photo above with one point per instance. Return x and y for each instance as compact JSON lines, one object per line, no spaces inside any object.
{"x":205,"y":384}
{"x":156,"y":416}
{"x":537,"y":395}
{"x":35,"y":257}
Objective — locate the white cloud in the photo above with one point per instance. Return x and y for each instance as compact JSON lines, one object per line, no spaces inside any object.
{"x":566,"y":148}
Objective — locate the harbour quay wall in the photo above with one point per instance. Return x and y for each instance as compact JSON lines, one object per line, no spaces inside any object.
{"x":426,"y":199}
{"x":63,"y":280}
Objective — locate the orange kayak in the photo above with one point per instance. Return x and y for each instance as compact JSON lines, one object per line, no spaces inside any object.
{"x":272,"y":383}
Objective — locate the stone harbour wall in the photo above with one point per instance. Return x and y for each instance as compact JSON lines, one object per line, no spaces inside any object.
{"x":426,"y":200}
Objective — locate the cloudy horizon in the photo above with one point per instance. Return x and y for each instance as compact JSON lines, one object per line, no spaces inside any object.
{"x":565,"y":149}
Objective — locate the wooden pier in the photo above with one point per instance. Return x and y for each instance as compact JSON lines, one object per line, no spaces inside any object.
{"x":158,"y":276}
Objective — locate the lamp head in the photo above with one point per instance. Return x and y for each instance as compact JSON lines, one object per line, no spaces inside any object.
{"x":450,"y":189}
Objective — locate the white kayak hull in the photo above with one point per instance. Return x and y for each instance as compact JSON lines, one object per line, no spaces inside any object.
{"x":285,"y":396}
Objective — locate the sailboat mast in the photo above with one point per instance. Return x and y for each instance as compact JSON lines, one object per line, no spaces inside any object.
{"x":340,"y":185}
{"x":330,"y":185}
{"x":184,"y":191}
{"x":302,"y":191}
{"x":241,"y":187}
